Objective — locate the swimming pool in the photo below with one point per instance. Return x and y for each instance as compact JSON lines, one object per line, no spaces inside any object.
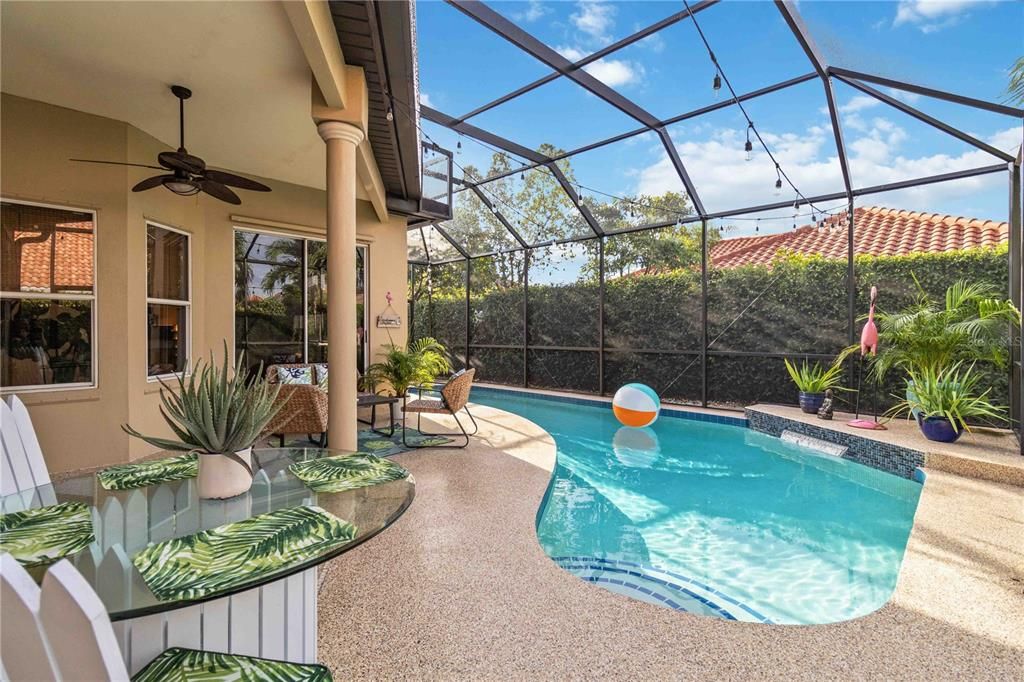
{"x":716,"y":519}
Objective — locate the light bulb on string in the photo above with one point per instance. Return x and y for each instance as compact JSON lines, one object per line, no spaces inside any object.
{"x":390,"y":116}
{"x":778,"y":180}
{"x":749,"y":147}
{"x":757,"y":225}
{"x":716,"y":84}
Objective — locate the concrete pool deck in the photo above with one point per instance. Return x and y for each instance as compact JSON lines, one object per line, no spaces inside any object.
{"x":459,"y":588}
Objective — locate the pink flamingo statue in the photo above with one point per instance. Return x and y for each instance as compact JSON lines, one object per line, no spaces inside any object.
{"x":868,"y":343}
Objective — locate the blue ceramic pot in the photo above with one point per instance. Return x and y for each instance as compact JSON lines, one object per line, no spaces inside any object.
{"x":810,"y":402}
{"x":939,"y":429}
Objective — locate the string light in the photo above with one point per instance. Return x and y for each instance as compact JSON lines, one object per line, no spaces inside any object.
{"x":757,"y":225}
{"x":778,"y":180}
{"x":390,"y":116}
{"x":748,"y":147}
{"x":716,"y":84}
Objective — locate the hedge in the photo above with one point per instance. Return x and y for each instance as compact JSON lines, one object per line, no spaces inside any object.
{"x":797,"y":306}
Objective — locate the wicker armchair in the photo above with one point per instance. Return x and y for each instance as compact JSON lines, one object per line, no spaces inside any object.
{"x":453,"y":398}
{"x":303,"y":408}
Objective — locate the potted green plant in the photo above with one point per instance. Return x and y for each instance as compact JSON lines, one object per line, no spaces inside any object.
{"x":220,"y":418}
{"x":421,"y":363}
{"x":813,"y":380}
{"x":944,"y":399}
{"x":971,"y":324}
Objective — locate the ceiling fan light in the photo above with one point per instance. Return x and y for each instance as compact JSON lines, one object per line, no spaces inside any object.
{"x":185,"y":188}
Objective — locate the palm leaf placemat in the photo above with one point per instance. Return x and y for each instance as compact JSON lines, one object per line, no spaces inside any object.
{"x":45,"y":534}
{"x":346,"y":472}
{"x":385,"y":446}
{"x":220,"y":559}
{"x":142,"y":474}
{"x":188,"y":665}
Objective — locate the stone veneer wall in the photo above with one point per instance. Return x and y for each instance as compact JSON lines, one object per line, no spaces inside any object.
{"x":884,"y":456}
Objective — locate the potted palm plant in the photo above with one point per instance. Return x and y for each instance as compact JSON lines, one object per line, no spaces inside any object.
{"x":970,"y":325}
{"x":944,"y":399}
{"x":421,"y":363}
{"x":220,"y":418}
{"x":813,"y":380}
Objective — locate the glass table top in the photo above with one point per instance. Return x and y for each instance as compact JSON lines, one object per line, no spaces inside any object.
{"x":126,"y":521}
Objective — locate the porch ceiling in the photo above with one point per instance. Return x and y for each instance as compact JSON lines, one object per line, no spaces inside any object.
{"x":250,"y":111}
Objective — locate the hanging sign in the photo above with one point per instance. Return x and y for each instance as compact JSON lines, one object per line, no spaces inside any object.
{"x":389,"y":319}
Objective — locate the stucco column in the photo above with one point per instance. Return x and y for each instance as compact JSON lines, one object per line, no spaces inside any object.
{"x":341,"y":139}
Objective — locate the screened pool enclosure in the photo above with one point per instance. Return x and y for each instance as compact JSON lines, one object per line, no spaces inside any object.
{"x":732,"y":249}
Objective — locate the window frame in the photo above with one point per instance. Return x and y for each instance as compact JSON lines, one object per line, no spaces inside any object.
{"x":93,"y":298}
{"x":186,"y":304}
{"x":306,"y":239}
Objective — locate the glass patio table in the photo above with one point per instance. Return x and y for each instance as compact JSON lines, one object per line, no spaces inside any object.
{"x":272,"y":615}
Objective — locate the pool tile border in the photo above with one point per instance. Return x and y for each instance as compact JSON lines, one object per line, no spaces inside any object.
{"x":886,"y":457}
{"x":672,"y":411}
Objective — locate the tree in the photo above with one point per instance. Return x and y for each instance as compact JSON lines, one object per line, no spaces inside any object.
{"x":1015,"y":90}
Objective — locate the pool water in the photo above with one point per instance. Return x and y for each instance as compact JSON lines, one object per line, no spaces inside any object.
{"x":716,"y":519}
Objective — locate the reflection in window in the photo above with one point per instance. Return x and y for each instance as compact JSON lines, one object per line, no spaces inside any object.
{"x":168,"y":300}
{"x":46,"y":296}
{"x":281,"y":300}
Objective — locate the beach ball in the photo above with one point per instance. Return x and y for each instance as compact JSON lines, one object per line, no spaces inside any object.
{"x":636,"y":405}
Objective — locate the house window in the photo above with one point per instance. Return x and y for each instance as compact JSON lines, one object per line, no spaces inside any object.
{"x":281,"y":300}
{"x":168,"y":300}
{"x":47,"y":297}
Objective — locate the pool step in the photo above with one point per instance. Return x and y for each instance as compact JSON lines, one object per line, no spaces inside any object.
{"x":659,"y":587}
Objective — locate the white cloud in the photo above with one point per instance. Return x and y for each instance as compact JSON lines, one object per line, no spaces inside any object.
{"x":611,"y":72}
{"x":858,"y":103}
{"x":595,"y":18}
{"x":535,"y":10}
{"x":425,"y":100}
{"x":934,"y":15}
{"x":724,"y":179}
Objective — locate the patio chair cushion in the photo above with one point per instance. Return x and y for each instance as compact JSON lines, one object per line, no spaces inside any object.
{"x":182,"y":664}
{"x":426,"y":405}
{"x":321,"y":375}
{"x":294,"y":375}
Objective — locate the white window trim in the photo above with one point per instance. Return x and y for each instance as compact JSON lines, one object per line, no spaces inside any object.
{"x":94,"y":355}
{"x":186,"y":304}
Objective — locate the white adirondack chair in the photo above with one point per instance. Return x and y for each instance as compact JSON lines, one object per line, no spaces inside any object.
{"x":63,"y":632}
{"x":23,"y":650}
{"x":22,"y":466}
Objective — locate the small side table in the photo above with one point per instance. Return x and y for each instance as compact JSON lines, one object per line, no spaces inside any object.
{"x":372,"y":400}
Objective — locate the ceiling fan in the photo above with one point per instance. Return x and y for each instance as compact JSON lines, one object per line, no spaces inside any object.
{"x":189,"y":174}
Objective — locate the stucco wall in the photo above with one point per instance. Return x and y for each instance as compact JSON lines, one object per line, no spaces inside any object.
{"x":81,"y":428}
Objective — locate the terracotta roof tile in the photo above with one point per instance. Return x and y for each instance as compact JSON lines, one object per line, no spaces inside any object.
{"x":877,"y":231}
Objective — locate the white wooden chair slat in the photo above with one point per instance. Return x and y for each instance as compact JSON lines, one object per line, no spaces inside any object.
{"x":29,"y":441}
{"x":23,"y":647}
{"x":16,"y":456}
{"x":78,"y":630}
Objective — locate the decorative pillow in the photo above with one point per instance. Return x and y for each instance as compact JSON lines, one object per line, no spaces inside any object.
{"x":295,"y":375}
{"x":321,"y":375}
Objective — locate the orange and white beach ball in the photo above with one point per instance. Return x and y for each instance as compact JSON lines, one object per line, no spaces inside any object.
{"x":636,"y":405}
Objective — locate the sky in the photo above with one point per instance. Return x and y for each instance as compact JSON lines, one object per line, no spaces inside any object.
{"x":965,"y":47}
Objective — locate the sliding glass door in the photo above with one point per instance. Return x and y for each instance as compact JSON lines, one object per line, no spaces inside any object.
{"x":281,"y":299}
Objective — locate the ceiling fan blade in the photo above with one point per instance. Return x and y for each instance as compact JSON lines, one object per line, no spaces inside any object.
{"x":117,"y":163}
{"x":235,"y":181}
{"x":219,"y":191}
{"x":150,"y":183}
{"x":181,"y":161}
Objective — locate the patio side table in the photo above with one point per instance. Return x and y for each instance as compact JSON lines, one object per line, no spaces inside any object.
{"x":372,"y":400}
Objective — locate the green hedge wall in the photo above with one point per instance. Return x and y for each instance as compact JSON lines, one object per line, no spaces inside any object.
{"x":798,"y":306}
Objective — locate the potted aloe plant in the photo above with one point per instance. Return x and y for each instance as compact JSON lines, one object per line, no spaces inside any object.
{"x":813,"y":380}
{"x":220,"y":418}
{"x":423,"y":361}
{"x":943,"y":400}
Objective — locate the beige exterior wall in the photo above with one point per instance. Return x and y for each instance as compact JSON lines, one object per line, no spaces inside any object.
{"x":81,"y":428}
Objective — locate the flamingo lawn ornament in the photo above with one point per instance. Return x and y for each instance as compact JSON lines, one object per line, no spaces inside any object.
{"x":868,"y":344}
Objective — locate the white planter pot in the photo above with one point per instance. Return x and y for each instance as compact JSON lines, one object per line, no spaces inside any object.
{"x":221,"y":476}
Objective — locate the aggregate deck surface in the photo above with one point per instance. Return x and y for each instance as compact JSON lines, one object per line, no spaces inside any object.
{"x":459,"y":588}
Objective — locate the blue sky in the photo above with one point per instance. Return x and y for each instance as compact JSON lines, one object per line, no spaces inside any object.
{"x":963,"y":47}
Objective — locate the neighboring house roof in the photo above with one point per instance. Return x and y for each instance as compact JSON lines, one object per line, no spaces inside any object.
{"x":877,"y":232}
{"x":43,"y":265}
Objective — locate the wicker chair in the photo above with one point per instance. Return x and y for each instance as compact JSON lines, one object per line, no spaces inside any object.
{"x":453,"y":397}
{"x":303,"y":408}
